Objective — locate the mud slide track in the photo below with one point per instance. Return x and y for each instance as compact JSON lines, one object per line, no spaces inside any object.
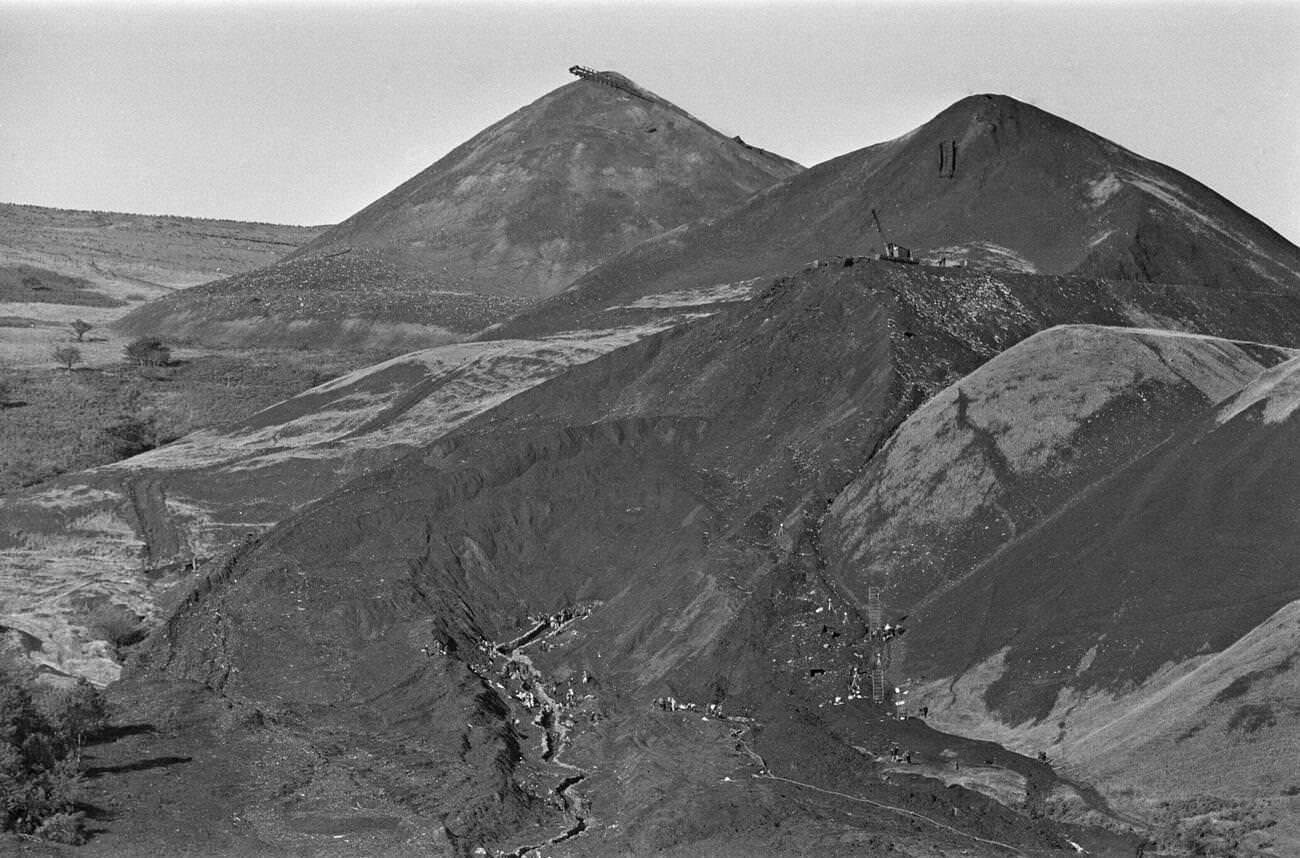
{"x":163,"y":540}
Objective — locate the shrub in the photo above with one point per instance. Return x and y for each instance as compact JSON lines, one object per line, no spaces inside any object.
{"x":67,"y":355}
{"x":76,"y":713}
{"x":80,"y":327}
{"x":64,"y":827}
{"x":131,"y":436}
{"x":148,"y":351}
{"x":40,"y":756}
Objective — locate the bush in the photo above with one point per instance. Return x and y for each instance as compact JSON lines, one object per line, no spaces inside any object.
{"x":77,"y":713}
{"x":80,"y":327}
{"x":40,"y":756}
{"x":131,"y":436}
{"x":63,"y":827}
{"x":67,"y":355}
{"x":148,"y":351}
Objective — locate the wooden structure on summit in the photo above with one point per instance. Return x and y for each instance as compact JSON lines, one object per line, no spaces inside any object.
{"x":610,"y":79}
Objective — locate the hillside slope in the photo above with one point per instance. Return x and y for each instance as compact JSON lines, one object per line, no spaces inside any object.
{"x":640,"y":526}
{"x":1137,"y":625}
{"x":532,"y":202}
{"x":1030,"y":192}
{"x":125,"y":533}
{"x":57,"y":265}
{"x":668,"y":493}
{"x":1003,"y":449}
{"x":149,"y":254}
{"x":514,"y":214}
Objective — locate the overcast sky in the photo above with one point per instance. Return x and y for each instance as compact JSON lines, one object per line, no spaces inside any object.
{"x":304,"y":112}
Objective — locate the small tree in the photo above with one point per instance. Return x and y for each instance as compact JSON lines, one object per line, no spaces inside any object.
{"x":148,"y":351}
{"x":77,"y":713}
{"x":80,"y":327}
{"x":40,"y":758}
{"x":67,"y":355}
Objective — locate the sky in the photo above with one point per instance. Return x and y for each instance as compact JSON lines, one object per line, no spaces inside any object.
{"x":305,"y":111}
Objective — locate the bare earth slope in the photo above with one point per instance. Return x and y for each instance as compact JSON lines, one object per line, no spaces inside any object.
{"x":515,"y":213}
{"x":1030,"y":192}
{"x":662,"y":504}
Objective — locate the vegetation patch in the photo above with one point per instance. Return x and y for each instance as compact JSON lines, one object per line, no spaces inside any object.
{"x":56,"y":421}
{"x":1242,"y":684}
{"x":29,"y":284}
{"x":42,"y":732}
{"x":1252,"y":717}
{"x":1208,"y":825}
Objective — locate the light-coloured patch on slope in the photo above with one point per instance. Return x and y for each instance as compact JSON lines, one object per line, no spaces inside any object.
{"x":47,"y":577}
{"x":1277,"y":387}
{"x":723,"y":292}
{"x":1007,"y":787}
{"x":71,"y":497}
{"x":1101,"y":236}
{"x":1030,"y":401}
{"x":465,"y":379}
{"x":980,"y":254}
{"x":1102,"y":188}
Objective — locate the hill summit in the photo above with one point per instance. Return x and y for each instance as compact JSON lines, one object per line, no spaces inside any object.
{"x":534,"y":201}
{"x":989,"y":182}
{"x":515,"y":213}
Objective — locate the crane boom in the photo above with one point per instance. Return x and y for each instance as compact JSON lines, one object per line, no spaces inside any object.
{"x":893,"y":252}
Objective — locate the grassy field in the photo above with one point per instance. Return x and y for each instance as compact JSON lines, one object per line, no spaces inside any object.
{"x":53,"y":421}
{"x":57,"y":266}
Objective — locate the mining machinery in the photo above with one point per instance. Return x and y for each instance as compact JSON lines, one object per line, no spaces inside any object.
{"x":893,"y":252}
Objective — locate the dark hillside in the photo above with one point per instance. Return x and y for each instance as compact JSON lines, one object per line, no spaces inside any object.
{"x":532,"y":202}
{"x":1030,"y":192}
{"x":645,"y":525}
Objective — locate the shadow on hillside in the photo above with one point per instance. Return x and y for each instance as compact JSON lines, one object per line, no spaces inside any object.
{"x":93,"y":813}
{"x":112,"y":734}
{"x":93,"y":772}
